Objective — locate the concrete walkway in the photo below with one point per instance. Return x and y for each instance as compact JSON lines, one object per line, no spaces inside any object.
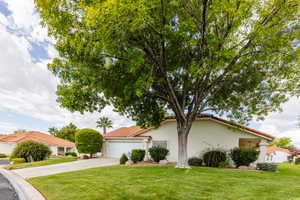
{"x":65,"y":167}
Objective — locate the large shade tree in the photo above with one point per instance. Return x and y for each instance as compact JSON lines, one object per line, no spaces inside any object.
{"x":235,"y":58}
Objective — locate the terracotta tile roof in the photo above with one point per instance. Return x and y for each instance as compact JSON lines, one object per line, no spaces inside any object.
{"x":272,"y":149}
{"x":38,"y":137}
{"x":125,"y":132}
{"x":135,"y":131}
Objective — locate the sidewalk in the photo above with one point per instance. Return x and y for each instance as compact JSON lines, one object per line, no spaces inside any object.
{"x":65,"y":167}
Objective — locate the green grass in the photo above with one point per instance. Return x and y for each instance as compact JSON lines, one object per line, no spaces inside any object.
{"x":54,"y":160}
{"x":168,"y":183}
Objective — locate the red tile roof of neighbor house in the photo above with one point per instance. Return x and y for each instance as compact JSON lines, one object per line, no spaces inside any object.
{"x":38,"y":137}
{"x":135,"y":131}
{"x":272,"y":149}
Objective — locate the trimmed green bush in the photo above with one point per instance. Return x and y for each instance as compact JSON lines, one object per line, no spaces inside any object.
{"x":18,"y":160}
{"x":88,"y":141}
{"x":70,"y":153}
{"x":2,"y":155}
{"x":123,"y":159}
{"x":31,"y":151}
{"x":214,"y":157}
{"x":297,"y":161}
{"x":195,"y":161}
{"x":137,"y":155}
{"x":224,"y":165}
{"x":158,"y":153}
{"x":270,"y":167}
{"x":243,"y":156}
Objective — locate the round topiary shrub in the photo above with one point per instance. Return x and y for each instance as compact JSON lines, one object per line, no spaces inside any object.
{"x":137,"y":155}
{"x":214,"y":157}
{"x":88,"y":141}
{"x":123,"y":159}
{"x":243,"y":156}
{"x":297,"y":161}
{"x":31,"y":151}
{"x":195,"y":161}
{"x":158,"y":153}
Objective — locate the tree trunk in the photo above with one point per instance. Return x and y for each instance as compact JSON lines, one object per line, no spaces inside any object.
{"x":183,"y":132}
{"x":104,"y":130}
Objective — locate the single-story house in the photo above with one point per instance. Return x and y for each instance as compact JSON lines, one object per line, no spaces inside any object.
{"x":277,"y":155}
{"x":57,"y":145}
{"x":206,"y":133}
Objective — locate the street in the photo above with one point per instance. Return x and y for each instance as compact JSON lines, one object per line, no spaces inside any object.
{"x":6,"y":190}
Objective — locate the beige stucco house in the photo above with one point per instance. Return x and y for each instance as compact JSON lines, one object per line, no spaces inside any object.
{"x":207,"y":132}
{"x":57,"y":145}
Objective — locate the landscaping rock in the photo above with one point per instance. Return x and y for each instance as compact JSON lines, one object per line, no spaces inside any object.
{"x":128,"y":163}
{"x":163,"y":162}
{"x":243,"y":167}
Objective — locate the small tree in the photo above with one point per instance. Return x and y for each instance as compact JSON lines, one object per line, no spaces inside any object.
{"x":20,"y":131}
{"x":284,"y":142}
{"x":67,"y":132}
{"x":88,"y":141}
{"x":104,"y":122}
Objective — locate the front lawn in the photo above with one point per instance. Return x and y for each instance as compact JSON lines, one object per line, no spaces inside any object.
{"x":51,"y":161}
{"x":168,"y":183}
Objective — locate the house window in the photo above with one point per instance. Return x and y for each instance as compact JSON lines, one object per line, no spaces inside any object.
{"x":159,"y":144}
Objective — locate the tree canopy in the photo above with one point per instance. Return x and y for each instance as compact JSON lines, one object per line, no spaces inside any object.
{"x":234,"y":58}
{"x":104,"y":122}
{"x":67,"y":132}
{"x":284,"y":142}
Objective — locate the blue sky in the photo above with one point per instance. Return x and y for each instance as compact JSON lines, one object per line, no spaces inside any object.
{"x":27,"y":88}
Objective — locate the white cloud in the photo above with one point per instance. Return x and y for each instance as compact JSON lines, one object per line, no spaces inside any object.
{"x":29,"y":88}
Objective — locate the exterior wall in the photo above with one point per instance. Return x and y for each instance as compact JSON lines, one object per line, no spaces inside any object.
{"x":204,"y":134}
{"x":7,"y":147}
{"x":277,"y":157}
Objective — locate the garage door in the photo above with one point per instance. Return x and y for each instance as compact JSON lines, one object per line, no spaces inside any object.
{"x":116,"y":149}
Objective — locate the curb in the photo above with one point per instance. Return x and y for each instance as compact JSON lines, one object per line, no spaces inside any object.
{"x":24,"y":190}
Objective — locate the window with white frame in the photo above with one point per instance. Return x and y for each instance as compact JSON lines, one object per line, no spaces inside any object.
{"x":160,"y":143}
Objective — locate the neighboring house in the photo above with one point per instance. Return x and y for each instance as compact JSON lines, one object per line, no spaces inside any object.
{"x":207,"y":132}
{"x":277,"y":155}
{"x":57,"y":145}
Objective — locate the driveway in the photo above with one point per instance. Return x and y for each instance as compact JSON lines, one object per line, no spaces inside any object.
{"x":7,"y":192}
{"x":65,"y":167}
{"x":4,"y":162}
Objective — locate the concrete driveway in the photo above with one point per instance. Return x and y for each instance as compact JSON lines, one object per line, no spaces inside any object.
{"x":65,"y":167}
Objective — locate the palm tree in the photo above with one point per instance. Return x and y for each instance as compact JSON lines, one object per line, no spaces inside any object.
{"x":104,"y":122}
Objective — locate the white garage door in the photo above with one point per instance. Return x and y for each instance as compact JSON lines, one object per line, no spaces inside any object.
{"x":116,"y":149}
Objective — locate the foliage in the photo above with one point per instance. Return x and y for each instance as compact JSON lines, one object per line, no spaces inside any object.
{"x":123,"y":159}
{"x":284,"y":142}
{"x":31,"y":151}
{"x":18,"y":160}
{"x":243,"y":156}
{"x":234,"y":58}
{"x":297,"y":161}
{"x":2,"y":155}
{"x":67,"y":132}
{"x":212,"y":158}
{"x":270,"y":167}
{"x":224,"y":165}
{"x":70,"y":153}
{"x":158,"y":153}
{"x":137,"y":155}
{"x":20,"y":131}
{"x":88,"y":141}
{"x":195,"y":161}
{"x":104,"y":122}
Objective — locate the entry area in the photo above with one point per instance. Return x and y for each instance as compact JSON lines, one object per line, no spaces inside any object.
{"x":249,"y":143}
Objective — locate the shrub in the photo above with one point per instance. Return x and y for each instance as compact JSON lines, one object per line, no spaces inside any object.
{"x":224,"y":165}
{"x":18,"y":160}
{"x":243,"y":156}
{"x":88,"y":141}
{"x":137,"y":155}
{"x":214,"y":157}
{"x":123,"y":159}
{"x":31,"y":151}
{"x":195,"y":161}
{"x":158,"y":153}
{"x":297,"y":161}
{"x":2,"y":155}
{"x":70,"y":153}
{"x":270,"y":167}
